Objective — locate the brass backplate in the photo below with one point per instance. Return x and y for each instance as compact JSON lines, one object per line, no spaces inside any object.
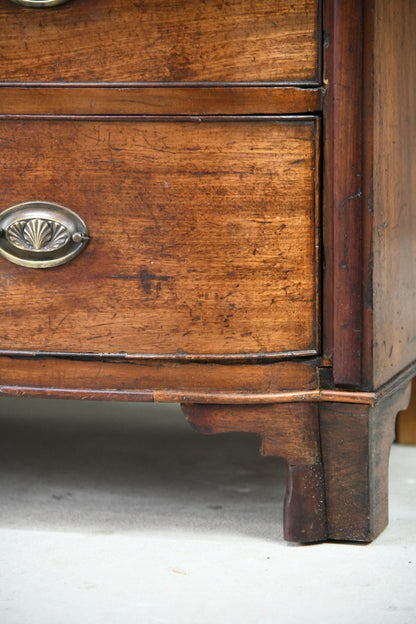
{"x":40,"y":234}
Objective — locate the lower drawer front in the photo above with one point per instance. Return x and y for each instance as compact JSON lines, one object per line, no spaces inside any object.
{"x":202,"y":236}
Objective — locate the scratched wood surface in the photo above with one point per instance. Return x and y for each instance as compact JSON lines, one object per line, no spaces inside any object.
{"x":161,"y":41}
{"x":203,"y":236}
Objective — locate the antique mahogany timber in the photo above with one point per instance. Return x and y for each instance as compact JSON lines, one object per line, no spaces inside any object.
{"x":244,"y":172}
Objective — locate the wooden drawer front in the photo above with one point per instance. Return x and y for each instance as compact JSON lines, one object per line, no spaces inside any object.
{"x":203,"y":236}
{"x":161,"y":41}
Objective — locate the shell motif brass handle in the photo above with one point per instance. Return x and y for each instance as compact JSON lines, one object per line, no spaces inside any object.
{"x":39,"y":4}
{"x":40,"y":234}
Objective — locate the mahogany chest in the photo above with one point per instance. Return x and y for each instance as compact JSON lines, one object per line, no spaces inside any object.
{"x":213,"y":203}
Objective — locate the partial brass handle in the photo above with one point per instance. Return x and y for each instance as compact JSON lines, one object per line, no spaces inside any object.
{"x":39,"y":4}
{"x":40,"y":234}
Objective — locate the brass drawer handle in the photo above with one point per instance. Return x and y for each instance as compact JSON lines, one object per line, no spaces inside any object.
{"x":40,"y":234}
{"x":39,"y":4}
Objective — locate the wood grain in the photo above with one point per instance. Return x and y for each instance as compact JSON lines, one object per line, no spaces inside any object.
{"x":370,"y":181}
{"x":203,"y":236}
{"x":270,"y":41}
{"x":162,"y":381}
{"x":393,"y":192}
{"x":160,"y":100}
{"x":343,"y":191}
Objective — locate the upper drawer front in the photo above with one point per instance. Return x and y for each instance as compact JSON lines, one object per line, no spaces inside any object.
{"x":203,"y":236}
{"x":270,"y":41}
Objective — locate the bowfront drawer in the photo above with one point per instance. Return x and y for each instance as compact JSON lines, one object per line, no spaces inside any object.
{"x":270,"y":41}
{"x":202,"y":236}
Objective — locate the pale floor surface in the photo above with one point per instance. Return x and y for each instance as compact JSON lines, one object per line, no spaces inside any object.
{"x":120,"y":514}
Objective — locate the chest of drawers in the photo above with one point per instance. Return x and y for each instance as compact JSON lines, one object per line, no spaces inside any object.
{"x":212,"y":203}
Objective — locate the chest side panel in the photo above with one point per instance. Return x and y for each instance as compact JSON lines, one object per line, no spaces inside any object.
{"x":394,"y":189}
